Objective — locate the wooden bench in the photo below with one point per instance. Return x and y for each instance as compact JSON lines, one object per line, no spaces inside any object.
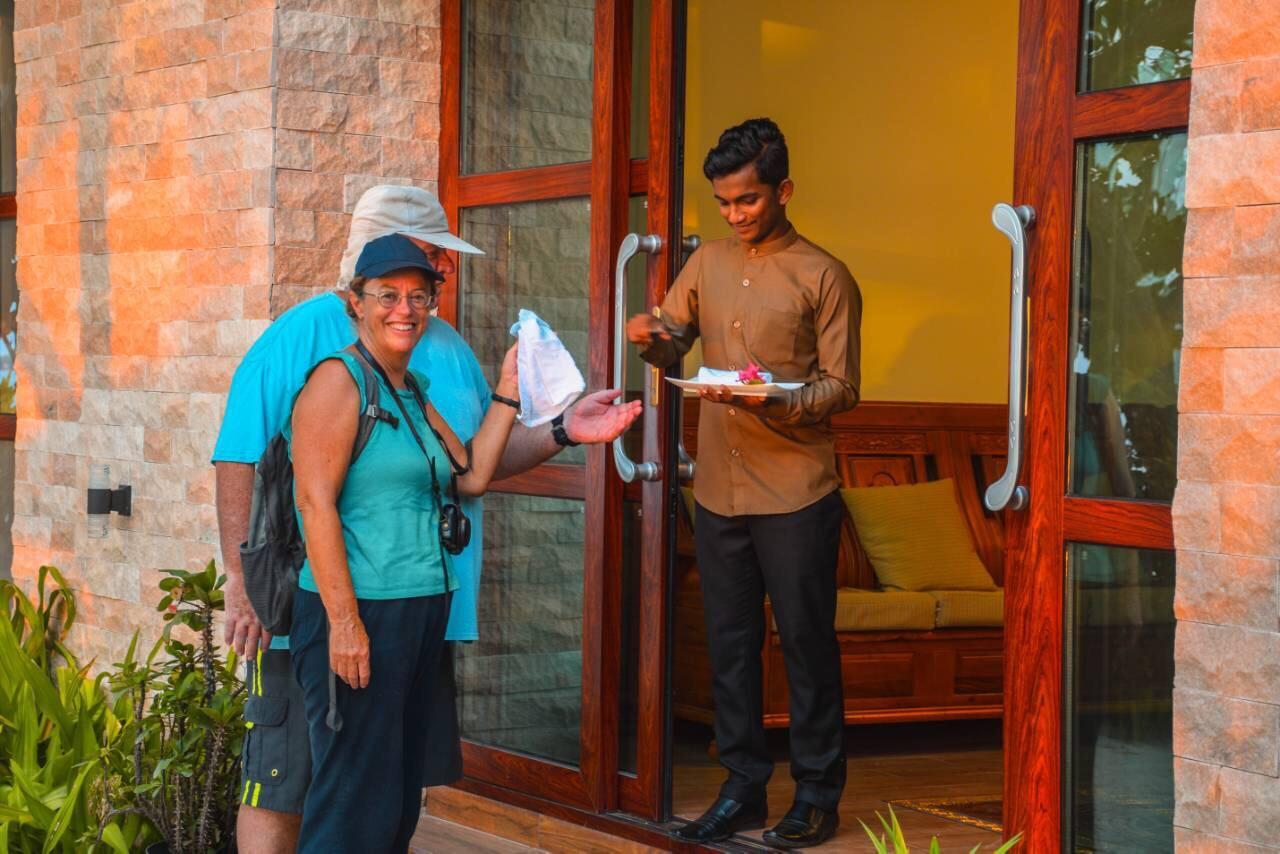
{"x":889,"y":676}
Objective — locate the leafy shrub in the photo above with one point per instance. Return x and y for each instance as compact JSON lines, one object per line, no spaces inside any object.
{"x":177,"y":762}
{"x":55,"y":725}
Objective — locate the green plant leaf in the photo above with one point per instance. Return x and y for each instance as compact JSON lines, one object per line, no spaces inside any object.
{"x":40,"y":812}
{"x":879,"y":844}
{"x":114,"y":838}
{"x":1010,"y":845}
{"x":62,"y":820}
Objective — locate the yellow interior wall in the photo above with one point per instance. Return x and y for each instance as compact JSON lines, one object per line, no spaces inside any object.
{"x":899,"y":118}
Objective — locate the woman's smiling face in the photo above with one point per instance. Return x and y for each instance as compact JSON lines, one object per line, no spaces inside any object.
{"x":395,"y":327}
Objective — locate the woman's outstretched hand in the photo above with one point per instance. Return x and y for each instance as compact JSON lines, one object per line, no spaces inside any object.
{"x":594,"y":418}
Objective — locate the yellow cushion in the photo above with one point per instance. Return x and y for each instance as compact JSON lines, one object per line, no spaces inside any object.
{"x":878,"y":610}
{"x":969,"y":608}
{"x":916,"y":537}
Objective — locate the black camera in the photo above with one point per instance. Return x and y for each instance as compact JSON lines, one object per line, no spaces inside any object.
{"x":455,"y":529}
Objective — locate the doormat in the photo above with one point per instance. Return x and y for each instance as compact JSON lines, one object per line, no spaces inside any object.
{"x":984,"y":812}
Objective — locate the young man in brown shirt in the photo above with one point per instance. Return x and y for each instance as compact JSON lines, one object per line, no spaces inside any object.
{"x":768,"y":508}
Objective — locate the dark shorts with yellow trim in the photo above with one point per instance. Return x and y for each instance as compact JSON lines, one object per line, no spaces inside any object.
{"x":276,"y":762}
{"x":276,"y":766}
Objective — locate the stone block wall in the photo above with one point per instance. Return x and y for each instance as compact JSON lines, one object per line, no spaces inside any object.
{"x":1227,"y":508}
{"x":185,"y":169}
{"x":144,"y":198}
{"x":359,"y":96}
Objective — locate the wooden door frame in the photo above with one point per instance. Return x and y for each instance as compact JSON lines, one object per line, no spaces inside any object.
{"x":1052,"y":119}
{"x":609,"y":179}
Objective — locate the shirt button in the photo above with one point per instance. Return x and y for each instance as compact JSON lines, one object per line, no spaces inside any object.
{"x":737,"y":324}
{"x":754,"y":250}
{"x":746,"y":282}
{"x":736,"y":452}
{"x":732,"y":366}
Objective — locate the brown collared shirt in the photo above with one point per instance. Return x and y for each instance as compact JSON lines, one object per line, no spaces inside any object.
{"x":795,"y":311}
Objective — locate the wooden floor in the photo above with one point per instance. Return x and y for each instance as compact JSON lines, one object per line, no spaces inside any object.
{"x":436,"y":836}
{"x":904,"y":762}
{"x":917,"y":761}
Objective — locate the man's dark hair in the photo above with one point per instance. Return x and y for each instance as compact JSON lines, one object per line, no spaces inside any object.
{"x":757,"y":141}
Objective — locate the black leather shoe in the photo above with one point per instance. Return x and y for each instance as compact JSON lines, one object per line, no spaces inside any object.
{"x":804,"y":826}
{"x":723,"y":819}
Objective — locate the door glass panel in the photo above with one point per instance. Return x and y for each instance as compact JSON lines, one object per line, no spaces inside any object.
{"x":640,"y":79}
{"x":536,"y":257}
{"x":1120,"y":698}
{"x":1127,"y":316}
{"x":8,"y":316}
{"x":526,"y":83}
{"x":520,"y":684}
{"x":1131,"y":42}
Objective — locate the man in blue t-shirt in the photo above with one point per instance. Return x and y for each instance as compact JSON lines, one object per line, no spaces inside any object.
{"x":276,"y":760}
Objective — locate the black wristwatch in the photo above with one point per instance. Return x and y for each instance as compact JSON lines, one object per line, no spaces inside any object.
{"x":558,"y":433}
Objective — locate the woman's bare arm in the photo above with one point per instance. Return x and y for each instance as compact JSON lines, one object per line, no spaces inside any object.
{"x":491,"y":439}
{"x":324,"y":429}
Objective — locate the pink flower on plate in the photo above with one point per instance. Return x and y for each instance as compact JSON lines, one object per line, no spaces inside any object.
{"x":750,"y":375}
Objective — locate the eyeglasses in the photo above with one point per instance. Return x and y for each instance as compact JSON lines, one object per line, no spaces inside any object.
{"x":418,"y":300}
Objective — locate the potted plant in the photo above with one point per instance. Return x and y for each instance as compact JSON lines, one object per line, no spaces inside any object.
{"x":178,"y":762}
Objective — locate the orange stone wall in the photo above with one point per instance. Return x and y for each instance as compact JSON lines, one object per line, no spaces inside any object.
{"x":185,"y":169}
{"x":1227,"y":509}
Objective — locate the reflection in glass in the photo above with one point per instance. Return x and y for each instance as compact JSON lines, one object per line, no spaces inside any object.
{"x":8,"y":103}
{"x":1120,"y":700}
{"x":536,"y":257}
{"x":520,"y":684}
{"x":1132,"y":42}
{"x":526,"y":83}
{"x":8,"y":316}
{"x":1127,"y":316}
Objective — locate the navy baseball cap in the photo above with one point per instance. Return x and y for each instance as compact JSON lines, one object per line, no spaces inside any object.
{"x":393,"y":252}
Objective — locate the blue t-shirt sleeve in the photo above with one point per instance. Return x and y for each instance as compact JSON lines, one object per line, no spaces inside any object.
{"x":253,"y":414}
{"x":272,"y":372}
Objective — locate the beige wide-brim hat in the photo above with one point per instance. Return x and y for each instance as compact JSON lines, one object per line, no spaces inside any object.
{"x":396,"y":209}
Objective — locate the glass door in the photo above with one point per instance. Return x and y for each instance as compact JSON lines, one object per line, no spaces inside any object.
{"x":1100,"y":160}
{"x":552,"y":142}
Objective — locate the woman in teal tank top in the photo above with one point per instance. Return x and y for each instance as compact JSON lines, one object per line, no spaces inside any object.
{"x":373,"y":595}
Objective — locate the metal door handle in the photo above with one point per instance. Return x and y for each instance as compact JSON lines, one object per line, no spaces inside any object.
{"x":628,"y":470}
{"x":685,"y":465}
{"x":1013,"y":223}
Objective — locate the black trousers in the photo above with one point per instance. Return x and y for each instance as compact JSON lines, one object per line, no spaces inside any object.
{"x":792,"y":558}
{"x":366,"y":779}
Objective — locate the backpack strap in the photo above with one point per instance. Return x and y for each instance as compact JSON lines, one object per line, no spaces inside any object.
{"x":373,"y":411}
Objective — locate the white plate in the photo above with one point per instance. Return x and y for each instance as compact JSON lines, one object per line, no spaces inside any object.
{"x":757,"y":390}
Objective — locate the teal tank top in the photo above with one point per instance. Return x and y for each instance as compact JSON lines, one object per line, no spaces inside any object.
{"x":388,"y":511}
